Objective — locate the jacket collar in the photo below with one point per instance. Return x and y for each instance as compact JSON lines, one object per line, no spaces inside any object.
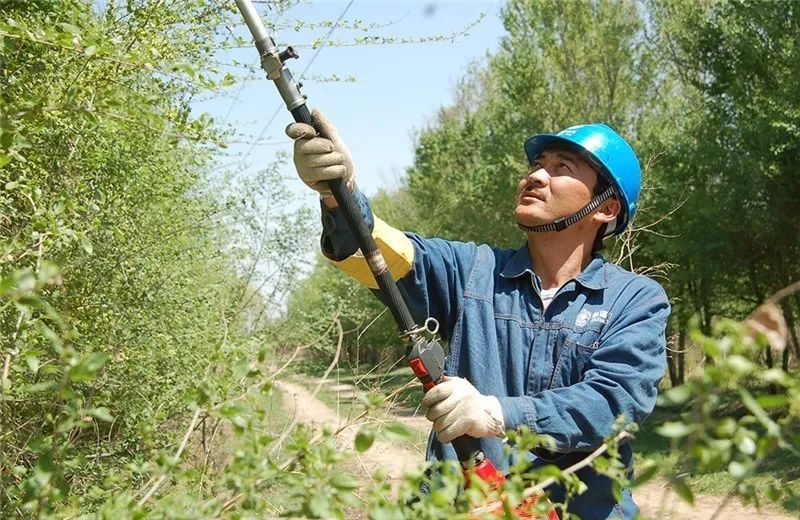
{"x":593,"y":277}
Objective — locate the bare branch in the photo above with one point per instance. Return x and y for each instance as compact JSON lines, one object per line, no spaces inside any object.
{"x":783,"y":293}
{"x":176,"y":457}
{"x":279,"y":442}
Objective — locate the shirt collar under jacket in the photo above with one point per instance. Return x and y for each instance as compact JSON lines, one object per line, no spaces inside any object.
{"x":593,"y":277}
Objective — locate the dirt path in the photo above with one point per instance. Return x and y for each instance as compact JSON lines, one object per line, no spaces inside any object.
{"x":656,"y":500}
{"x":394,"y":458}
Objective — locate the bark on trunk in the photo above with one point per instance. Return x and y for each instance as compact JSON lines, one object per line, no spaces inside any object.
{"x":788,"y":315}
{"x":681,"y":352}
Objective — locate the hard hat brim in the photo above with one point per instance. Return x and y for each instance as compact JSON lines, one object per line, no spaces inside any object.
{"x":536,"y":144}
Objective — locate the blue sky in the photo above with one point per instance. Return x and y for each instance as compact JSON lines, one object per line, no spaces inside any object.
{"x":398,"y":88}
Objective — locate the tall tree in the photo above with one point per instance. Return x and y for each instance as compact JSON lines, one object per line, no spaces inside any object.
{"x":729,"y":147}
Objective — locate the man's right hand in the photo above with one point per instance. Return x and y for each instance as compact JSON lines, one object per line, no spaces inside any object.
{"x":320,"y":157}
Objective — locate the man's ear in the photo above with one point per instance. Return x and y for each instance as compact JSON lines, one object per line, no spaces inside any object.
{"x":608,"y":211}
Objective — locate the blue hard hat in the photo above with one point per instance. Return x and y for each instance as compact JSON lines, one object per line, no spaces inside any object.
{"x":608,"y":153}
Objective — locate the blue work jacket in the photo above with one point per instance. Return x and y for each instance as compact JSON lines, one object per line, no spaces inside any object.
{"x":596,"y":353}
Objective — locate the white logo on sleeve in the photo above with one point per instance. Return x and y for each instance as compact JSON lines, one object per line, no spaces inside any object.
{"x":586,"y":317}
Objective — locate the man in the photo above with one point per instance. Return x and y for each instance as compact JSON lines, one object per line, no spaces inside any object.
{"x":551,"y":336}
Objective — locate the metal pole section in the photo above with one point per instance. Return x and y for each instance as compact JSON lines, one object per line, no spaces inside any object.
{"x":272,"y":63}
{"x":253,"y":21}
{"x":271,"y":59}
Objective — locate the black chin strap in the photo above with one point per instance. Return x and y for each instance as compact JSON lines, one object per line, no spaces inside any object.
{"x":564,"y":222}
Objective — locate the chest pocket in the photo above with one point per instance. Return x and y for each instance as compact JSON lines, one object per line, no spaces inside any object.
{"x":572,"y":351}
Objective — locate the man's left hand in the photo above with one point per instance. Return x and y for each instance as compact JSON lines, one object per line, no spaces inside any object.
{"x":455,"y":408}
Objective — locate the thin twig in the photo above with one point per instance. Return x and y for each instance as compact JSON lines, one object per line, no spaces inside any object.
{"x":333,"y":363}
{"x":163,"y":477}
{"x":208,"y":451}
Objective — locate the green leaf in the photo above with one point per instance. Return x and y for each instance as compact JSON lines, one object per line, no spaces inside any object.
{"x":87,"y":367}
{"x":34,"y":302}
{"x":644,"y":474}
{"x":740,"y":364}
{"x":6,"y":285}
{"x":674,"y":430}
{"x":33,"y":364}
{"x":773,"y":401}
{"x":675,"y":396}
{"x":549,"y":470}
{"x":737,"y":470}
{"x":90,"y":116}
{"x":776,"y":375}
{"x":397,"y":432}
{"x":239,"y":423}
{"x":50,"y":335}
{"x":344,"y":481}
{"x":24,"y":280}
{"x":86,"y":245}
{"x":228,"y":80}
{"x":389,"y":512}
{"x":37,"y":387}
{"x":726,"y":427}
{"x":186,"y":68}
{"x":683,"y":490}
{"x":44,"y":469}
{"x":320,"y":506}
{"x":749,"y":401}
{"x":30,"y":301}
{"x":371,"y":400}
{"x":746,"y":445}
{"x":69,"y":28}
{"x":231,"y":410}
{"x":47,"y":272}
{"x":102,"y":413}
{"x":364,"y":439}
{"x":773,"y":493}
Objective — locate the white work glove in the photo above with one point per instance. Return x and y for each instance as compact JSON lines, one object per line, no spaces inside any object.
{"x":455,"y":408}
{"x":320,"y":157}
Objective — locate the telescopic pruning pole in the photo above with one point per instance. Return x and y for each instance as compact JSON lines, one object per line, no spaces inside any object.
{"x":422,"y":352}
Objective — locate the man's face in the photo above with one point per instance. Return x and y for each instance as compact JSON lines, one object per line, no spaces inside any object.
{"x":558,"y":183}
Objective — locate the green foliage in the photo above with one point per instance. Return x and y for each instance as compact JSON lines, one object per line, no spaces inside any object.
{"x":763,"y":413}
{"x":735,"y":140}
{"x":723,"y":145}
{"x":120,"y":293}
